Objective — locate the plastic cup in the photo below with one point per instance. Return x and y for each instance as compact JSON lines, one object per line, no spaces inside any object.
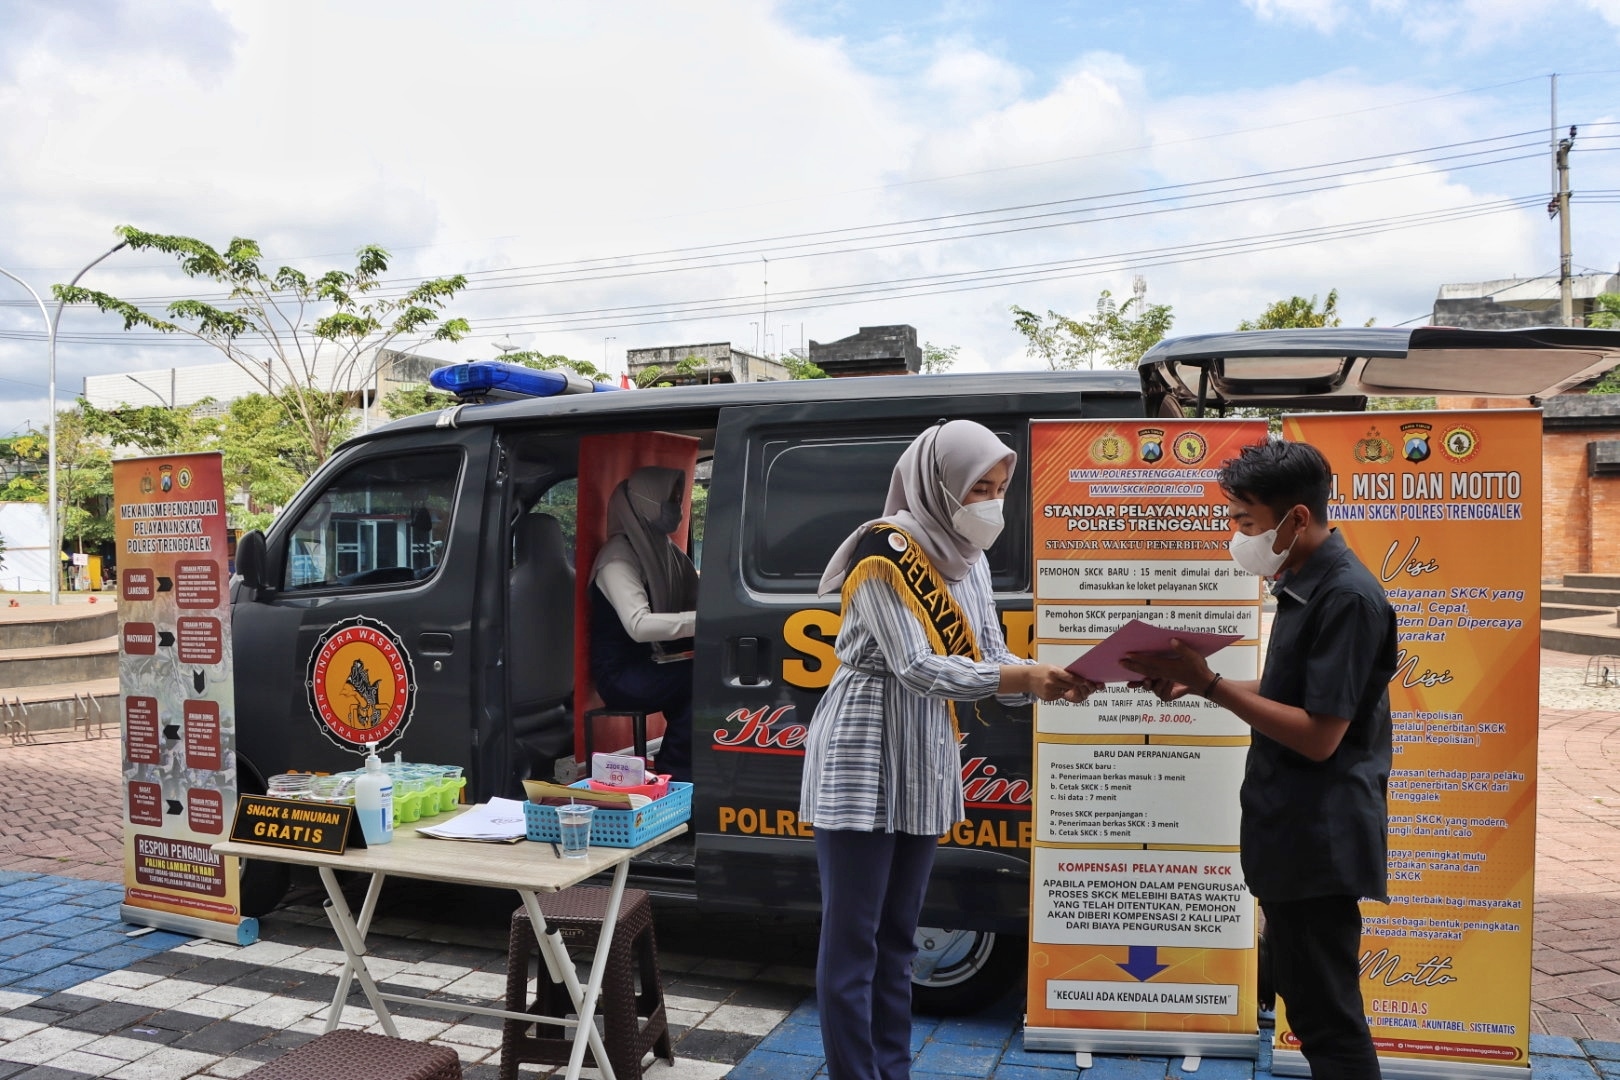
{"x":408,"y":798}
{"x":574,"y":823}
{"x":289,"y":785}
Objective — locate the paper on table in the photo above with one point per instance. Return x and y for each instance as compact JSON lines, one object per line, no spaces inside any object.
{"x":498,"y":821}
{"x":1100,"y":664}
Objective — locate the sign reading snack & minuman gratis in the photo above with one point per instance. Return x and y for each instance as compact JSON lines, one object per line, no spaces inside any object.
{"x":1445,"y":507}
{"x":1142,"y":935}
{"x":177,"y":697}
{"x":296,"y":824}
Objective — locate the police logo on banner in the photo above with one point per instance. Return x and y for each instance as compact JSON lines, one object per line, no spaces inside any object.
{"x":1152,"y":444}
{"x":1415,"y":441}
{"x":361,"y":683}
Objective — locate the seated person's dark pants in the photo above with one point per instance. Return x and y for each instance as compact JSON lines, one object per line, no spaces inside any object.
{"x":649,"y":687}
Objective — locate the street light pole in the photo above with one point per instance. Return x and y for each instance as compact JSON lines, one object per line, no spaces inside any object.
{"x":604,"y":352}
{"x":53,"y":570}
{"x":56,"y":528}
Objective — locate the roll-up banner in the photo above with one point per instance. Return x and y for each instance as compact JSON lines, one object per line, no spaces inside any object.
{"x":1142,"y":934}
{"x":177,"y":696}
{"x":1445,"y":507}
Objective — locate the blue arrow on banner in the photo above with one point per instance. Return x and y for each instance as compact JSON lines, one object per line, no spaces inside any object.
{"x":1142,"y":962}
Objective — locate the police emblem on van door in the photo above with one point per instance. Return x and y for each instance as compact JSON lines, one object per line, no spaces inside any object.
{"x":361,"y":684}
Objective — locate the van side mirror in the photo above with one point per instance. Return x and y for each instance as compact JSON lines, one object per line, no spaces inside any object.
{"x":252,"y":557}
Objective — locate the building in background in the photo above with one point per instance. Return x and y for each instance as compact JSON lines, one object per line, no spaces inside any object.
{"x":1515,"y":303}
{"x":716,"y":362}
{"x":365,"y":383}
{"x":875,"y":350}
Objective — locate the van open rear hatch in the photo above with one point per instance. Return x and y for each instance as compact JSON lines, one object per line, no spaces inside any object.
{"x":1339,"y":368}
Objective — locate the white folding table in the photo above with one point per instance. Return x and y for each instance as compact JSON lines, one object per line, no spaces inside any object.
{"x":525,"y":867}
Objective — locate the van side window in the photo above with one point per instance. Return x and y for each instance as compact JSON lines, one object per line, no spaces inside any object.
{"x":384,"y":521}
{"x":561,"y":501}
{"x":810,"y":493}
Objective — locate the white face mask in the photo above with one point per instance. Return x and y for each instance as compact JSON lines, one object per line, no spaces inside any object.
{"x":1254,"y":553}
{"x":979,"y":523}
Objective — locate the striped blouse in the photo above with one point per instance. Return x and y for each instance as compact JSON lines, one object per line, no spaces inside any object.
{"x":880,"y":756}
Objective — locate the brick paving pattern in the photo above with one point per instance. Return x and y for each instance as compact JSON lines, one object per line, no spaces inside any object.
{"x":63,"y":799}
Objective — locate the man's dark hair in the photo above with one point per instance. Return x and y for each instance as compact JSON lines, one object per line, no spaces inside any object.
{"x":1280,"y":475}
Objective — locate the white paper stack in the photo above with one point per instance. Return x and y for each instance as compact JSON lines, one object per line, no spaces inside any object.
{"x":499,"y":821}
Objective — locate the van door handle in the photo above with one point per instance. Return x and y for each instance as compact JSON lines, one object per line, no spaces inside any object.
{"x":745,"y":660}
{"x":435,"y":644}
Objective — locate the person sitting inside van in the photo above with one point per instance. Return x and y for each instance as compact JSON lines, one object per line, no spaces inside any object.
{"x":643,"y":596}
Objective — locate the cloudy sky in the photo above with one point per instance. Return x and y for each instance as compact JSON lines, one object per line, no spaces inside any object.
{"x":613,"y":174}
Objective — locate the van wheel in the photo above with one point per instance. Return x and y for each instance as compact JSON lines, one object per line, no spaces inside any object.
{"x":958,"y":972}
{"x":261,"y":883}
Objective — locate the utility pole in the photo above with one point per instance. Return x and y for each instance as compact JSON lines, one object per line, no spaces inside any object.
{"x":1559,"y":208}
{"x":765,"y":297}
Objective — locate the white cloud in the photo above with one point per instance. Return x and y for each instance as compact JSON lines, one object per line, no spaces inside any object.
{"x":1322,"y":15}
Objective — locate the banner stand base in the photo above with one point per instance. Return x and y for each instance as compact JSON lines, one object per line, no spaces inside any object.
{"x":1292,"y":1063}
{"x":1165,"y":1043}
{"x":243,"y":932}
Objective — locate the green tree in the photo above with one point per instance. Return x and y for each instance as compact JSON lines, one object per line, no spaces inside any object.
{"x":1606,"y":315}
{"x":1117,"y":335}
{"x":23,"y":459}
{"x":1296,"y":311}
{"x":411,"y":400}
{"x":543,"y":362}
{"x":800,"y":368}
{"x":267,"y":457}
{"x":153,"y":429}
{"x":938,"y":359}
{"x":83,"y":481}
{"x":304,"y":339}
{"x":660,"y":376}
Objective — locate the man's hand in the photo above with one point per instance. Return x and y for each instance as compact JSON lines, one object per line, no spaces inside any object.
{"x":1170,"y":677}
{"x":1163,"y":689}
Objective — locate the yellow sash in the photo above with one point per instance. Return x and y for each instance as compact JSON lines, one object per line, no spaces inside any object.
{"x":887,"y":553}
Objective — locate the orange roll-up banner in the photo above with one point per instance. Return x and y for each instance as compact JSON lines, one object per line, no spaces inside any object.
{"x":1445,"y":507}
{"x":177,"y":696}
{"x":1142,"y":934}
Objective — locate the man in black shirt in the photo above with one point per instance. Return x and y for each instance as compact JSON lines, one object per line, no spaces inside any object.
{"x":1314,"y":830}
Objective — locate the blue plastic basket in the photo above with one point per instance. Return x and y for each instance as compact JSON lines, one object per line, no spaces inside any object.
{"x":617,"y":828}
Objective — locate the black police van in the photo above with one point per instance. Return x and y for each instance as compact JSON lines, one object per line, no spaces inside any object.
{"x":446,"y":555}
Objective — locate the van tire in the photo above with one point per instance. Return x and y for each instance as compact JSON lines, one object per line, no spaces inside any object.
{"x":968,"y":970}
{"x":261,"y":884}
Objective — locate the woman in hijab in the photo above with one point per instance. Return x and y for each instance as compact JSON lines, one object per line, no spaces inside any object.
{"x":643,"y":596}
{"x":882,"y":767}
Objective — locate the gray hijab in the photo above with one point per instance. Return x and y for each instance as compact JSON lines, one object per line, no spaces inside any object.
{"x":646,"y":508}
{"x":947,"y":457}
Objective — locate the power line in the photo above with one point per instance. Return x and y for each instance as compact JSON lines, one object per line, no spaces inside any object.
{"x":928,"y":285}
{"x":747,"y":251}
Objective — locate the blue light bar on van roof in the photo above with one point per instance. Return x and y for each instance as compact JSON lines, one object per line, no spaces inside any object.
{"x":510,"y":382}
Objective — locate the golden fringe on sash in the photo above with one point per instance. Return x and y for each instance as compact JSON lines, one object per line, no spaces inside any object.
{"x":878,"y":568}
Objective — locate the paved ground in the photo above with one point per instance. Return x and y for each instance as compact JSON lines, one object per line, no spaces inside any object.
{"x":135,"y":1010}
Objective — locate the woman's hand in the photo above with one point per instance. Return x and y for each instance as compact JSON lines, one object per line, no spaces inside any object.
{"x":1044,"y":681}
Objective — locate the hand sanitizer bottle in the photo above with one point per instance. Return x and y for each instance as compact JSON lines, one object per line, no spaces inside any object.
{"x":374,"y":800}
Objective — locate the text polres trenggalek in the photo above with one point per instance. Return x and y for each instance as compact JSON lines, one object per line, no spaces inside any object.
{"x":1139,"y":517}
{"x":169,"y":528}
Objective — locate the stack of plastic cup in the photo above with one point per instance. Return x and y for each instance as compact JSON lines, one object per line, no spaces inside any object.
{"x":289,"y":785}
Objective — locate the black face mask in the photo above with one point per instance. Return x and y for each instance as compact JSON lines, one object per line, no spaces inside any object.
{"x":669,"y":518}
